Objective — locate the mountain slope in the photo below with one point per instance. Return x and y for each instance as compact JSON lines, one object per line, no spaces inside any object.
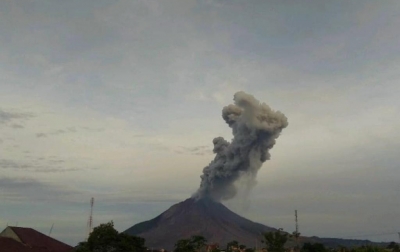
{"x":203,"y":217}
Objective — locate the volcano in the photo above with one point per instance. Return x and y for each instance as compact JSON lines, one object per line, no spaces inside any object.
{"x":204,"y":217}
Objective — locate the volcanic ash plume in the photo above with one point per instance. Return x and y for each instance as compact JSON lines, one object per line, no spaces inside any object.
{"x":255,"y":127}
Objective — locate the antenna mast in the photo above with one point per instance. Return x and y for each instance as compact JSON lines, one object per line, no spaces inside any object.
{"x":90,"y":221}
{"x":51,"y":229}
{"x":297,"y":223}
{"x":297,"y":234}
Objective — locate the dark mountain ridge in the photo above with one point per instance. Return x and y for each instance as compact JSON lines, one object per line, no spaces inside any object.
{"x":203,"y":217}
{"x":217,"y":224}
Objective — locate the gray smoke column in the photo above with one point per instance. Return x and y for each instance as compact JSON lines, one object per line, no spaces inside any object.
{"x":255,"y":128}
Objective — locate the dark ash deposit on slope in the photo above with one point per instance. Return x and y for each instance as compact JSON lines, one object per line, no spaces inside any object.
{"x":203,"y":217}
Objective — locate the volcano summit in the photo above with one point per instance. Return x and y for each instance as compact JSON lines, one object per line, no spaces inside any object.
{"x":204,"y":217}
{"x":255,"y":128}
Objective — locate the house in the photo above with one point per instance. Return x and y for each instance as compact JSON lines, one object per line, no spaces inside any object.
{"x":19,"y":239}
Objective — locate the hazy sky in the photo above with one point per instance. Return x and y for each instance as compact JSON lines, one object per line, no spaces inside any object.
{"x":120,"y":100}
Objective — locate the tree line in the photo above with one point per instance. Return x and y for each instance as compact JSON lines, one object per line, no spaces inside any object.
{"x":105,"y":238}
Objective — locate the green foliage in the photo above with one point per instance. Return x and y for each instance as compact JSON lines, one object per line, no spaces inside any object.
{"x":316,"y":247}
{"x":184,"y":245}
{"x":215,"y":250}
{"x":232,"y":245}
{"x":198,"y":242}
{"x":275,"y":241}
{"x":368,"y":249}
{"x":394,"y":247}
{"x":105,"y":238}
{"x":295,"y":234}
{"x":342,"y":249}
{"x":82,"y":247}
{"x":130,"y":243}
{"x":195,"y":243}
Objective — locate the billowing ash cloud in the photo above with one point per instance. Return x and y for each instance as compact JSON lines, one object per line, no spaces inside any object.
{"x":255,"y":127}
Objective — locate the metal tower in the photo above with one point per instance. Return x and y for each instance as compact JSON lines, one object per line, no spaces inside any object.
{"x":90,"y":221}
{"x":297,"y":223}
{"x":296,"y":234}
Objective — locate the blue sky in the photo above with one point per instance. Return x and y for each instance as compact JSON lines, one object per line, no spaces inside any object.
{"x":120,"y":100}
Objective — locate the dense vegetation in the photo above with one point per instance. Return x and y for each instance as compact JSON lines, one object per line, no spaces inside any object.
{"x":105,"y":238}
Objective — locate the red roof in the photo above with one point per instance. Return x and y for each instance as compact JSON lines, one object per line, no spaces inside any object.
{"x":11,"y":245}
{"x":40,"y":242}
